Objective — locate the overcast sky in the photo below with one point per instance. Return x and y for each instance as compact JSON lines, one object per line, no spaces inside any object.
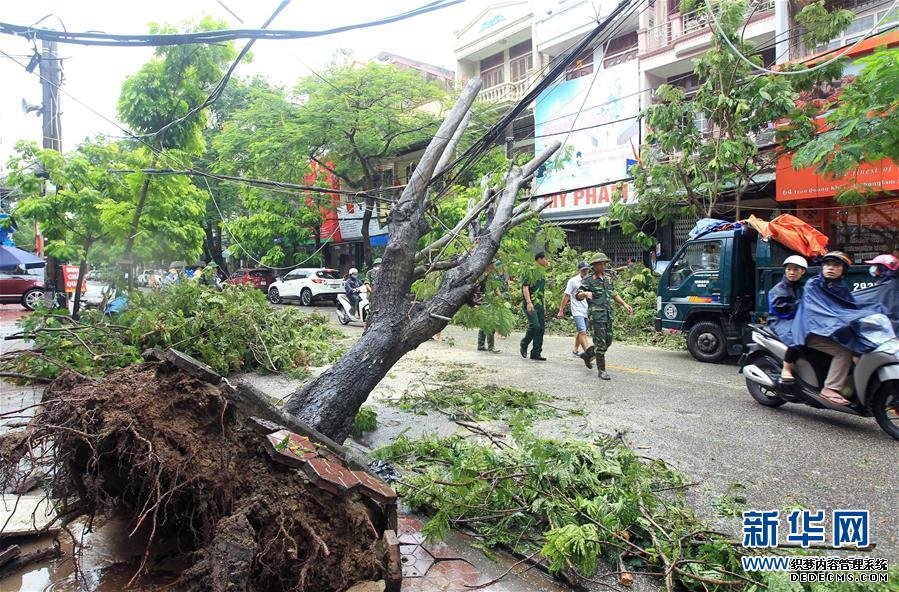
{"x":94,"y":75}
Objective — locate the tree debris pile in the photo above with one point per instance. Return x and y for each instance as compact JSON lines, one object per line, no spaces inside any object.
{"x":182,"y":458}
{"x":234,"y":330}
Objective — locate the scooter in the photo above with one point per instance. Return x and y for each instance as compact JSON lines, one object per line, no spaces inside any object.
{"x":345,"y":309}
{"x":874,"y":379}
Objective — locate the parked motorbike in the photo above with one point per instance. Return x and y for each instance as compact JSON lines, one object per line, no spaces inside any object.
{"x":344,"y":308}
{"x":874,"y":379}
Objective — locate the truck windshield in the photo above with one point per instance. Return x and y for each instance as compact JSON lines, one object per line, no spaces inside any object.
{"x":699,"y":256}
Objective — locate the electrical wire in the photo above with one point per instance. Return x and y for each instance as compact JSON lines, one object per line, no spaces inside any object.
{"x":739,"y":54}
{"x":220,"y":86}
{"x":483,"y":144}
{"x":143,"y":40}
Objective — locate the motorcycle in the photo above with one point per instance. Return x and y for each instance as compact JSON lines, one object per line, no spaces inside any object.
{"x":874,"y":379}
{"x":345,"y":309}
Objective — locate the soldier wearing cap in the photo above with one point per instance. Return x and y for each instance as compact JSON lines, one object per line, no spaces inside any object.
{"x":598,"y":291}
{"x":532,"y":291}
{"x":372,"y":274}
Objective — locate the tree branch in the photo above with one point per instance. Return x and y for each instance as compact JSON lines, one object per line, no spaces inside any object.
{"x":473,"y":213}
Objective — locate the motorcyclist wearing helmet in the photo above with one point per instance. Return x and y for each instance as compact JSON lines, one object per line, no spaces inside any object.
{"x":883,"y":268}
{"x":783,"y":300}
{"x":352,"y":286}
{"x":832,"y":283}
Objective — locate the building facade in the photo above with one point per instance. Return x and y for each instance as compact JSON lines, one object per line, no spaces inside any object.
{"x":593,"y":108}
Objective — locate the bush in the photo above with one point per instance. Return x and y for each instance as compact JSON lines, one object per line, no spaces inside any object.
{"x":231,"y":330}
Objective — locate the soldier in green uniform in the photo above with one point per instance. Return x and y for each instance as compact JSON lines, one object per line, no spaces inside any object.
{"x":599,"y":292}
{"x":372,"y":274}
{"x":533,"y":290}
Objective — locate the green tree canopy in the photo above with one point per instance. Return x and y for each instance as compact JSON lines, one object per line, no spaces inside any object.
{"x":165,"y":89}
{"x":347,"y":120}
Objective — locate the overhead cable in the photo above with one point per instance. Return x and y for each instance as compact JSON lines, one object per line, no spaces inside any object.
{"x":220,"y":36}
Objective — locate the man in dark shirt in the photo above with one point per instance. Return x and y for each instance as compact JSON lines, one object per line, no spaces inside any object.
{"x":532,"y":288}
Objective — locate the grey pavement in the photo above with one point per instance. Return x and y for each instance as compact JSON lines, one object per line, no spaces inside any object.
{"x":700,"y":419}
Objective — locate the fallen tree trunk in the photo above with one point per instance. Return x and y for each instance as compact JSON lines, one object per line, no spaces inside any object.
{"x":400,"y":322}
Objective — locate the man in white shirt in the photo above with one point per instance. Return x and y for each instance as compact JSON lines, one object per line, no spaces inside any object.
{"x":578,"y":313}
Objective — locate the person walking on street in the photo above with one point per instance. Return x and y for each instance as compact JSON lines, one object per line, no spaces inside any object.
{"x":533,"y":292}
{"x":597,"y":290}
{"x":485,"y":336}
{"x":578,"y":314}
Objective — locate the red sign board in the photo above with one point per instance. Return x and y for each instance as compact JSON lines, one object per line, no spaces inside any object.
{"x":807,"y":183}
{"x":70,"y":272}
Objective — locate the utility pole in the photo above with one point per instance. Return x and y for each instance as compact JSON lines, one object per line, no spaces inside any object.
{"x":50,"y":70}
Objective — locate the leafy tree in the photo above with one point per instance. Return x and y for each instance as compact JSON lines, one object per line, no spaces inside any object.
{"x":77,"y":212}
{"x":272,"y":226}
{"x":863,"y":126}
{"x":237,"y":96}
{"x":165,"y":89}
{"x":685,"y":167}
{"x":354,"y":116}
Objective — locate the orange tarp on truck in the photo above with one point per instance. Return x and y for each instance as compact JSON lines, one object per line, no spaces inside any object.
{"x":793,"y":233}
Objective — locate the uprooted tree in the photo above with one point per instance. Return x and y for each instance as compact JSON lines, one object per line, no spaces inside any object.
{"x":400,"y":321}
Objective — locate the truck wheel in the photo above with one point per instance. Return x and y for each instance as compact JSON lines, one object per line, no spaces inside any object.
{"x":706,"y":341}
{"x":885,"y":407}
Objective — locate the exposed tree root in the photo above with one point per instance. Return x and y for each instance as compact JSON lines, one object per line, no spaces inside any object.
{"x":180,"y":459}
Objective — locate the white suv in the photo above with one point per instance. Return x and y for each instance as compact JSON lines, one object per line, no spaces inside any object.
{"x":306,"y":284}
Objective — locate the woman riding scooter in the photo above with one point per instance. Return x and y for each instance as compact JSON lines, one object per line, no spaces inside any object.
{"x":783,"y":300}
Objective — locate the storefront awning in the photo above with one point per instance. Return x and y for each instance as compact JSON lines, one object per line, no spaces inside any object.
{"x":574,"y":222}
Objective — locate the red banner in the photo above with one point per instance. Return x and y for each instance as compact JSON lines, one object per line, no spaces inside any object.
{"x":70,"y":272}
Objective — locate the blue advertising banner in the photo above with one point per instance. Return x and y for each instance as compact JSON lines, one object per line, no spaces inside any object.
{"x":595,"y":116}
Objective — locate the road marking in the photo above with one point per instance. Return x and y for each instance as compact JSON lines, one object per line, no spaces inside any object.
{"x":634,"y":370}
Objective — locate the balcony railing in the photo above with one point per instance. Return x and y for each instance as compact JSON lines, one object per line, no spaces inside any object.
{"x":697,"y":19}
{"x":507,"y":92}
{"x":663,"y":34}
{"x":659,"y":36}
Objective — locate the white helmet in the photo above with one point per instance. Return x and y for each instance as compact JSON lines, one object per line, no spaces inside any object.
{"x":353,"y":271}
{"x":796,"y":260}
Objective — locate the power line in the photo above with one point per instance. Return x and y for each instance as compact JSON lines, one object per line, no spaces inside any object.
{"x":220,"y":87}
{"x":483,"y":144}
{"x":220,"y":36}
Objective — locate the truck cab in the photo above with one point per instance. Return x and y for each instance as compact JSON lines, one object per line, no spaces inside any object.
{"x":718,"y":283}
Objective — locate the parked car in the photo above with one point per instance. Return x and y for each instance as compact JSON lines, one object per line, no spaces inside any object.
{"x":307,"y":284}
{"x":258,"y":277}
{"x":94,"y":276}
{"x":21,"y":288}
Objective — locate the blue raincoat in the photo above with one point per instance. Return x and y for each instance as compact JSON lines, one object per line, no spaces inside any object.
{"x":886,"y":294}
{"x":828,"y":309}
{"x":783,"y":300}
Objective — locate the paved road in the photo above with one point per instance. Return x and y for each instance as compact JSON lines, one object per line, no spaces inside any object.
{"x":700,"y":418}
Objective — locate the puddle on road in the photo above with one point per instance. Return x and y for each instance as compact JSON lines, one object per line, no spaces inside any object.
{"x":108,"y":560}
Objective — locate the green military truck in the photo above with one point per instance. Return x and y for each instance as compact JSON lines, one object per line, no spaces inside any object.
{"x":718,"y":283}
